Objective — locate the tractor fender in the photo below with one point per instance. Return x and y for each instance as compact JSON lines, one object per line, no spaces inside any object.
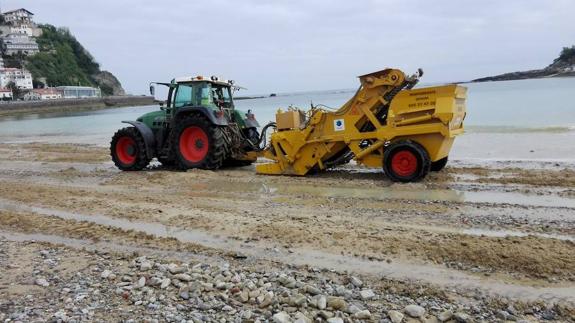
{"x":147,"y":134}
{"x":208,"y":113}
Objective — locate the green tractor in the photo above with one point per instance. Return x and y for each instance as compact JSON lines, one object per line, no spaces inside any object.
{"x":197,"y":128}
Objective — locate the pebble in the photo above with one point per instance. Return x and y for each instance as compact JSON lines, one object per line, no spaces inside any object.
{"x":462,"y":317}
{"x":367,"y":294}
{"x":362,"y":315}
{"x":356,"y":282}
{"x":165,"y":283}
{"x":42,"y":282}
{"x":415,"y":311}
{"x":145,"y":265}
{"x":445,"y":316}
{"x":183,"y":277}
{"x":282,"y":317}
{"x":335,"y":320}
{"x":395,"y":316}
{"x":337,"y":303}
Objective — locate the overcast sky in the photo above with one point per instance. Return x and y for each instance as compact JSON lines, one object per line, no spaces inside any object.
{"x":299,"y":45}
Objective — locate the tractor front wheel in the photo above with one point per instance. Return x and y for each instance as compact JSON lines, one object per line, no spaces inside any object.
{"x":128,"y":150}
{"x":406,"y":161}
{"x":198,"y":144}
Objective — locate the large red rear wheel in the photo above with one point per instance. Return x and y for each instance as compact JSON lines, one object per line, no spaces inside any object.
{"x":194,"y":144}
{"x":128,"y":150}
{"x":198,"y":143}
{"x":406,"y":161}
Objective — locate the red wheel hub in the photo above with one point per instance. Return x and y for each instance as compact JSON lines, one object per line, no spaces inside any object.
{"x":404,"y":163}
{"x":126,"y":150}
{"x":194,"y":144}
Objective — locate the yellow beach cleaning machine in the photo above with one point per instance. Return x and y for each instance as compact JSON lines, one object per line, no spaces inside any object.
{"x":387,"y":123}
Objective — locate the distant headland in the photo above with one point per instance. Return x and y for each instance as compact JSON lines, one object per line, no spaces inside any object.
{"x":562,"y":66}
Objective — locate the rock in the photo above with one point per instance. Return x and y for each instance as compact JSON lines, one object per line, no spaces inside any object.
{"x":312,"y":290}
{"x":445,"y":316}
{"x":337,"y":303}
{"x":415,"y":311}
{"x":183,"y":277}
{"x":356,"y":281}
{"x":335,"y":320}
{"x":282,"y":317}
{"x":362,"y":315}
{"x":185,"y":294}
{"x":42,"y":282}
{"x":109,"y":82}
{"x":395,"y":316}
{"x":244,"y":296}
{"x":367,"y":294}
{"x":175,"y":269}
{"x":300,"y":318}
{"x":462,"y":317}
{"x":429,"y":319}
{"x":165,"y":283}
{"x":145,"y":265}
{"x":106,"y":274}
{"x":319,"y":301}
{"x":141,"y":282}
{"x":298,"y":300}
{"x":352,"y":309}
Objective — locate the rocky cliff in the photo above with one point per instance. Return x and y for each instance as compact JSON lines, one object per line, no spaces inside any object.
{"x":562,"y":66}
{"x":108,"y":83}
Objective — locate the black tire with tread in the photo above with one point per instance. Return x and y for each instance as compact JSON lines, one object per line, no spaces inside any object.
{"x":424,"y":162}
{"x":142,"y":159}
{"x":217,"y":151}
{"x":437,"y":166}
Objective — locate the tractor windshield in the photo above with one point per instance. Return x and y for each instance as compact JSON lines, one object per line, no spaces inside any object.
{"x":203,"y":94}
{"x":222,"y":96}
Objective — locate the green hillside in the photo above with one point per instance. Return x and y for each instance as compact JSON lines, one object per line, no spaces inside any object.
{"x":63,"y":61}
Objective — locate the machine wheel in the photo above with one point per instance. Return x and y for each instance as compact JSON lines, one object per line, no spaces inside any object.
{"x":128,"y":150}
{"x":198,"y":144}
{"x":436,"y":166}
{"x":406,"y":161}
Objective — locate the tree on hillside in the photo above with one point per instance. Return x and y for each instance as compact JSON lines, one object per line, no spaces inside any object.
{"x":16,"y":91}
{"x":567,"y":53}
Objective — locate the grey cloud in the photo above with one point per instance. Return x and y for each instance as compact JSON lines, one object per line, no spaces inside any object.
{"x":277,"y":46}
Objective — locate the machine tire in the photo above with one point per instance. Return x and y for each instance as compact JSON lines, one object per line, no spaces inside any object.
{"x":437,"y":166}
{"x":128,"y":150}
{"x":198,"y":144}
{"x":406,"y":161}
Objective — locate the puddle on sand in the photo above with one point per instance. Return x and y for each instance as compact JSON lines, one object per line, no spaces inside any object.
{"x":393,"y":193}
{"x":432,"y":274}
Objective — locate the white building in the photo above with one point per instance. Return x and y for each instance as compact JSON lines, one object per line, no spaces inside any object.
{"x":20,"y":43}
{"x":43,"y":94}
{"x":5,"y":94}
{"x":21,"y":77}
{"x":18,"y":16}
{"x":79,"y":92}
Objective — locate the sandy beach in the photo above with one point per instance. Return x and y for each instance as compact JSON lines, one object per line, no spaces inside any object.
{"x":467,"y":244}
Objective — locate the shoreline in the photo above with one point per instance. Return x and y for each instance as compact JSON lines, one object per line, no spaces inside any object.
{"x":72,"y":105}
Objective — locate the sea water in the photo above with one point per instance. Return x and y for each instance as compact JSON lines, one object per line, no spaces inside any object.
{"x":511,"y":120}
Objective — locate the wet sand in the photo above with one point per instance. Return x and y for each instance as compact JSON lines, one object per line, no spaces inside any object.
{"x":504,"y":232}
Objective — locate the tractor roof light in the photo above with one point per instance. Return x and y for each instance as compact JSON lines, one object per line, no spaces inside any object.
{"x":214,"y":78}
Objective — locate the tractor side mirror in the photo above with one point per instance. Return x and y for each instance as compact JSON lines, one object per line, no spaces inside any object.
{"x":152,"y":90}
